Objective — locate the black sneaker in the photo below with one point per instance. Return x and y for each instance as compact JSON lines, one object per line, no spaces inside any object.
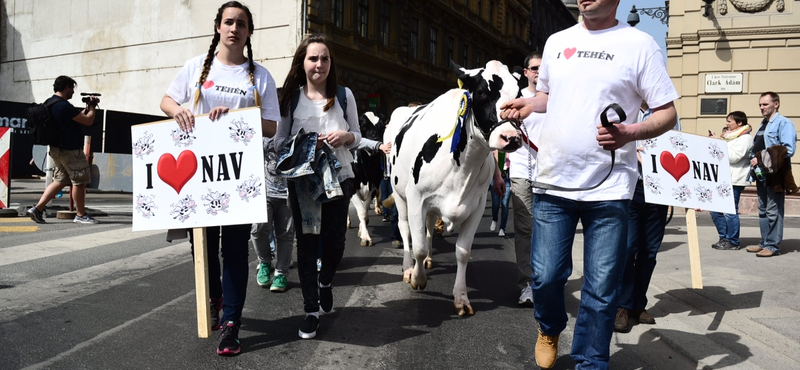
{"x":727,"y":245}
{"x":718,"y":244}
{"x":216,"y":306}
{"x":309,"y":328}
{"x":325,"y":300}
{"x":36,"y":215}
{"x":229,"y":340}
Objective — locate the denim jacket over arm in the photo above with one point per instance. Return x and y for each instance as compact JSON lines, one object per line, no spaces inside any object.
{"x":314,"y":174}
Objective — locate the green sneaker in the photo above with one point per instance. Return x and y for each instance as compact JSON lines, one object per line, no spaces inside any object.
{"x":278,"y":283}
{"x":264,"y":274}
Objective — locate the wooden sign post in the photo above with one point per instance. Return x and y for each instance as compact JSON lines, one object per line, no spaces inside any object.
{"x":201,"y":282}
{"x":694,"y":248}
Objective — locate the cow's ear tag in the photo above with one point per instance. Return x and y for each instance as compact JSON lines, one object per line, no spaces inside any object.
{"x":460,"y":84}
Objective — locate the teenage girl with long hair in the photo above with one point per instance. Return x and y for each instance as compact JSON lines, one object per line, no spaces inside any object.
{"x":312,"y":82}
{"x":247,"y":84}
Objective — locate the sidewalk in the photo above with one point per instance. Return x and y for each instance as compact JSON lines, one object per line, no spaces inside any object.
{"x":26,"y":192}
{"x":745,"y":317}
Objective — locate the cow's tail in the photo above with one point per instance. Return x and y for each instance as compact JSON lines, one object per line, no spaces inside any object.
{"x":388,"y":202}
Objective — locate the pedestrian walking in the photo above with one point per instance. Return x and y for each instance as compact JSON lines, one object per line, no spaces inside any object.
{"x":247,"y":84}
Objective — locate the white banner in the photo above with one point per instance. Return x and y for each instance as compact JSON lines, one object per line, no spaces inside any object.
{"x":211,"y":176}
{"x":685,"y":170}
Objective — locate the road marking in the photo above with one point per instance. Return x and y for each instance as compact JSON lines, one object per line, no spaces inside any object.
{"x":42,"y":294}
{"x":15,"y":220}
{"x":32,"y":251}
{"x":18,"y":229}
{"x":102,"y":336}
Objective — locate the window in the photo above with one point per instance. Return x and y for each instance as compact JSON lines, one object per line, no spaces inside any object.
{"x":478,"y":59}
{"x":480,"y":8}
{"x":413,"y":38}
{"x":434,"y":46}
{"x":386,"y":11}
{"x":450,"y":56}
{"x":338,"y":13}
{"x":464,"y":55}
{"x":363,"y":18}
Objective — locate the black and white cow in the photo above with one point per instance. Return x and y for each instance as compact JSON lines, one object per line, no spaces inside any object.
{"x":368,"y":170}
{"x":442,"y":165}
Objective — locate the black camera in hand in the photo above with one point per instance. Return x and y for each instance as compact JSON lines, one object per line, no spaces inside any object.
{"x":87,"y":98}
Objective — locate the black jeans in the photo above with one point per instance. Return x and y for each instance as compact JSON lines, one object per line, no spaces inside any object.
{"x":331,"y":238}
{"x":233,"y":285}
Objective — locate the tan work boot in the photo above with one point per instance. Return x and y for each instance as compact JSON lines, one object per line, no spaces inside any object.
{"x":754,"y":248}
{"x":766,"y":253}
{"x":546,"y":350}
{"x":621,"y":322}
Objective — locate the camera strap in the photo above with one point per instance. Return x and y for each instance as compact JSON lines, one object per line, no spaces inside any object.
{"x":606,"y":123}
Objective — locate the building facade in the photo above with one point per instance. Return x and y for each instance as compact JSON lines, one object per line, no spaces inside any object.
{"x":389,"y":52}
{"x":721,"y":58}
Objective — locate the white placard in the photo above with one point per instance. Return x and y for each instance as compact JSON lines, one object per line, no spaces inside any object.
{"x":685,"y":170}
{"x":723,"y":82}
{"x":211,"y":176}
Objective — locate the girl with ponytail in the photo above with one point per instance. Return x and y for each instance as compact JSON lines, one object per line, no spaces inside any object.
{"x":225,"y":78}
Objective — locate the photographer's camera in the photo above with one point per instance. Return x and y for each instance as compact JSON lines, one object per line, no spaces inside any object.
{"x":90,"y":98}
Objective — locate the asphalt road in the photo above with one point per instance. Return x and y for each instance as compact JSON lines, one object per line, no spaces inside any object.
{"x":100,"y":297}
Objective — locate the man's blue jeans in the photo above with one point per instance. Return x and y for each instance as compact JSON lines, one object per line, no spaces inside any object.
{"x":770,"y":216}
{"x":605,"y":229}
{"x":728,"y":223}
{"x":646,"y":223}
{"x":501,"y":204}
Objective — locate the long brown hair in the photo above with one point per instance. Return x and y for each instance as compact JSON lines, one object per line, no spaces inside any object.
{"x":297,"y":75}
{"x":215,"y":41}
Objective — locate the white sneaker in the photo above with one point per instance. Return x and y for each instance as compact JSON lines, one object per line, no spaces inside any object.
{"x":501,"y":233}
{"x":494,"y":226}
{"x":526,"y":297}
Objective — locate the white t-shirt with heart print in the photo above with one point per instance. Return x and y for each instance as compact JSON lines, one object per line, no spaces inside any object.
{"x":583,"y":72}
{"x":227,"y":86}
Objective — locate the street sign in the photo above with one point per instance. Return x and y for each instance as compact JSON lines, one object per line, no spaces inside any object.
{"x":723,"y":82}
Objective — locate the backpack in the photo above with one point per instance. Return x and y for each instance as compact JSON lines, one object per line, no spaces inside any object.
{"x":44,"y":128}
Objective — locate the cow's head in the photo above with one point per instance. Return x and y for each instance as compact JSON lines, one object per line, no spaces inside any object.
{"x":372,"y":126}
{"x":490,"y":87}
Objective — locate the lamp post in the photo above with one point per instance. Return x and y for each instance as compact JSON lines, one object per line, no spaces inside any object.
{"x":660,"y":13}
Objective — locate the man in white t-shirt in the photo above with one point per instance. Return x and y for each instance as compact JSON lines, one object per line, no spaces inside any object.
{"x":585,"y":69}
{"x":523,"y":161}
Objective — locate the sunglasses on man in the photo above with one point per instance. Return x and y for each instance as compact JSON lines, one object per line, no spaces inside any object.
{"x":534,"y":68}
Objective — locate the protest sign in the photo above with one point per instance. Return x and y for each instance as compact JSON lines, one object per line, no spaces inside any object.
{"x":685,"y":170}
{"x":212,"y":176}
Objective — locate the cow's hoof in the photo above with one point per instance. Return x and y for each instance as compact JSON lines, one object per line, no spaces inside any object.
{"x":418,"y":283}
{"x":464,"y":310}
{"x":407,"y":276}
{"x":428,"y":263}
{"x":366,"y":243}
